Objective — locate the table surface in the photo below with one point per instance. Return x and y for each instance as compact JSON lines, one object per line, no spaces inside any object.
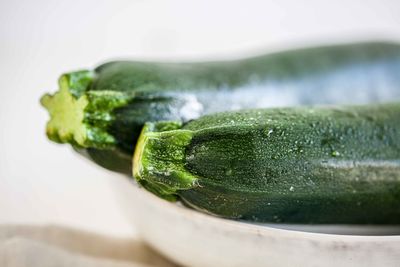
{"x":42,"y":182}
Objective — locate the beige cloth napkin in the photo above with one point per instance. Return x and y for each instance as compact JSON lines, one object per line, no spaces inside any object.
{"x":58,"y":246}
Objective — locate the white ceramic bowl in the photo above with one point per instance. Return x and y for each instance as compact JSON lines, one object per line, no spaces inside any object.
{"x":192,"y":238}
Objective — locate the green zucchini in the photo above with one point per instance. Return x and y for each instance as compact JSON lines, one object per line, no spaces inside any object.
{"x":101,"y":112}
{"x":290,"y":165}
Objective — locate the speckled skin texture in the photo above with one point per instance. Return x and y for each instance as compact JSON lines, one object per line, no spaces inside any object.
{"x":292,"y":165}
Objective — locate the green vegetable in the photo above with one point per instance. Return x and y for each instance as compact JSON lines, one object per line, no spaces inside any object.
{"x":101,"y":112}
{"x":291,"y":165}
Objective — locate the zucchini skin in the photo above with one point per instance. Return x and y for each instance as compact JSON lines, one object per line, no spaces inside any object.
{"x":288,"y":165}
{"x":123,"y":95}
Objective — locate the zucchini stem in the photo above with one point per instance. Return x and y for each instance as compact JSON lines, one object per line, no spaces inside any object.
{"x":81,"y":117}
{"x":159,"y":159}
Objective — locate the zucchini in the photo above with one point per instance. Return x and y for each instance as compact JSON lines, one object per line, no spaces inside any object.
{"x":101,"y":112}
{"x":291,"y":165}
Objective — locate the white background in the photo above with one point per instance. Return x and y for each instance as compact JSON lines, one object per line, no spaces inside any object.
{"x":42,"y":182}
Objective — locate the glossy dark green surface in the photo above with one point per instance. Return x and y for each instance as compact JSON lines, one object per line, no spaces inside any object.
{"x":294,"y":165}
{"x":127,"y":94}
